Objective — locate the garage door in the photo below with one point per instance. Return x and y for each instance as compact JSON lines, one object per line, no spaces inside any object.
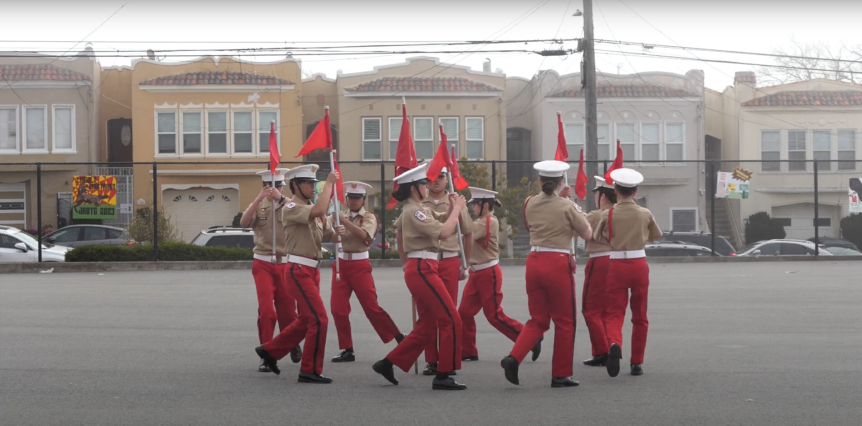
{"x":13,"y":205}
{"x":194,"y":209}
{"x":798,"y":220}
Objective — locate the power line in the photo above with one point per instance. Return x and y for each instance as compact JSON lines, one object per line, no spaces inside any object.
{"x":91,"y":32}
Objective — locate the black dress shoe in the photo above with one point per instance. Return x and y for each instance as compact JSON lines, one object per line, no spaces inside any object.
{"x":267,"y":359}
{"x":614,"y":357}
{"x":537,"y":349}
{"x":313,"y":378}
{"x":563,"y":382}
{"x":430,"y":369}
{"x":637,"y":370}
{"x":470,"y":358}
{"x":597,"y":361}
{"x":510,"y":366}
{"x":384,"y":368}
{"x":447,"y":384}
{"x":296,"y":355}
{"x":399,"y":338}
{"x":263,"y":367}
{"x":345,"y":356}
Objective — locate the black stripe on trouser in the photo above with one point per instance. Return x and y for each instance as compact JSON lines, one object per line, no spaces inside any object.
{"x":591,"y":265}
{"x":454,"y":334}
{"x":496,"y":306}
{"x":316,"y":318}
{"x":574,"y":311}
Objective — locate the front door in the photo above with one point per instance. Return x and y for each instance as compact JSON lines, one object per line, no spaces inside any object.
{"x":120,"y":140}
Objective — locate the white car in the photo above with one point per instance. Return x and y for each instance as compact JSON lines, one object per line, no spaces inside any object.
{"x":677,"y":249}
{"x":225,"y":236}
{"x":782,"y":248}
{"x":19,"y":247}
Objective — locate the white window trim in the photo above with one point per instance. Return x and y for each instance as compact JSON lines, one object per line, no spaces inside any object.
{"x":379,"y":139}
{"x":635,"y":125}
{"x":17,"y":149}
{"x":391,"y":136}
{"x":641,"y":142}
{"x":435,"y":139}
{"x":181,"y":133}
{"x":833,"y":150}
{"x":206,"y":131}
{"x":696,"y":218}
{"x":74,"y":130}
{"x":780,"y":147}
{"x":233,"y":152}
{"x":855,"y":150}
{"x":177,"y":141}
{"x":583,"y":137}
{"x":809,"y":144}
{"x":683,"y":143}
{"x":467,"y":137}
{"x":24,"y":148}
{"x":277,"y":131}
{"x":612,"y":142}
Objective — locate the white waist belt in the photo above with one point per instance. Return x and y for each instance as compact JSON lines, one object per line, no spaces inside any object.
{"x":631,"y":254}
{"x":600,"y":254}
{"x":430,"y":255}
{"x":485,"y":265}
{"x":549,"y":249}
{"x":303,"y":261}
{"x":268,"y":258}
{"x":353,"y":256}
{"x":448,"y":254}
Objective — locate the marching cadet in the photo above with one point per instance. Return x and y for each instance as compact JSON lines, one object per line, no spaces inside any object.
{"x":483,"y":290}
{"x":305,"y":226}
{"x":420,"y":232}
{"x":273,"y":301}
{"x":627,"y":227}
{"x":594,"y":301}
{"x":357,"y":231}
{"x":552,"y":222}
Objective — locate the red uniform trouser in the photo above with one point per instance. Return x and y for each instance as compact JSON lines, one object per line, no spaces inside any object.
{"x":625,"y":275}
{"x":440,"y":315}
{"x":356,"y":278}
{"x":484,"y":292}
{"x":273,"y":302}
{"x":303,"y":283}
{"x":594,"y":302}
{"x":449,"y":271}
{"x":550,"y":296}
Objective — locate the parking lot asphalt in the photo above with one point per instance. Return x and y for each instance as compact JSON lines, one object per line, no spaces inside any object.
{"x":729,"y":344}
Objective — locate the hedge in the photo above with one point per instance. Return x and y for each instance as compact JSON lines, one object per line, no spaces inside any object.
{"x":167,"y":252}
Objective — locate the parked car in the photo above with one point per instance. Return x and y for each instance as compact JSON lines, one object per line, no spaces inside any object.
{"x":781,"y":248}
{"x":17,"y":246}
{"x":842,"y":251}
{"x":79,"y":235}
{"x":829,"y":242}
{"x":225,"y":236}
{"x":678,"y":249}
{"x":722,"y":246}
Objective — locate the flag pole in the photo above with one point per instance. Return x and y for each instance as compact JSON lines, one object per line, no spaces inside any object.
{"x":272,"y":219}
{"x":416,"y":362}
{"x":337,"y":217}
{"x":458,"y":222}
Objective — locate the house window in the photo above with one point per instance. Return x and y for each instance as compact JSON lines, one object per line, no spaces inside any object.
{"x":683,"y":220}
{"x":604,"y":133}
{"x":423,"y":137}
{"x":166,"y":132}
{"x":822,"y":221}
{"x":242,"y":132}
{"x":394,"y":134}
{"x":626,"y":137}
{"x":846,"y":149}
{"x":264,"y":123}
{"x":783,"y":221}
{"x":192,"y":133}
{"x":650,"y":142}
{"x":822,"y":144}
{"x":796,"y":149}
{"x":674,"y":135}
{"x":64,"y":129}
{"x":450,"y":127}
{"x":371,"y":139}
{"x":35,"y":130}
{"x":475,"y":137}
{"x":574,"y":139}
{"x":216,"y":133}
{"x":770,"y":151}
{"x":9,"y":129}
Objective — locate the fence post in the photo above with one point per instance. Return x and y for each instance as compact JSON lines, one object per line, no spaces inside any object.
{"x":39,"y":209}
{"x":155,"y":212}
{"x":711,"y":194}
{"x":493,"y":175}
{"x":816,"y":214}
{"x":383,"y":202}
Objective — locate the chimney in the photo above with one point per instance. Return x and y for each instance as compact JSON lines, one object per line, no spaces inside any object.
{"x":486,"y":66}
{"x":745,"y":77}
{"x":745,"y":83}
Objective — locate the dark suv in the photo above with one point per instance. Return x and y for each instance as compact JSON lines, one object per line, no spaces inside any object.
{"x":722,"y":246}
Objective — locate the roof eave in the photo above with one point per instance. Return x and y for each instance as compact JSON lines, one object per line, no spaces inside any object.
{"x":217,"y":88}
{"x":493,"y":94}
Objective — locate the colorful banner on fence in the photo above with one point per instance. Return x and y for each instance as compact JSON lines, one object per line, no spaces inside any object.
{"x":733,"y":185}
{"x":855,"y":191}
{"x":94,"y":197}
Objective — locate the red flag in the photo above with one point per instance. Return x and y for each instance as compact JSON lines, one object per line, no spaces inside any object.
{"x":458,"y":180}
{"x":562,"y":153}
{"x":617,"y":164}
{"x":405,"y":155}
{"x":581,"y":182}
{"x":339,"y":185}
{"x":320,"y":138}
{"x":441,"y":158}
{"x":274,"y":156}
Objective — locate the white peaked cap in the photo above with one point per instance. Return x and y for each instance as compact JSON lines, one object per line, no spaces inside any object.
{"x":627,"y":177}
{"x":480,"y":194}
{"x":551,"y":168}
{"x":444,"y":170}
{"x":267,"y":176}
{"x":601,"y":183}
{"x":356,"y":187}
{"x":305,"y":172}
{"x":416,"y":174}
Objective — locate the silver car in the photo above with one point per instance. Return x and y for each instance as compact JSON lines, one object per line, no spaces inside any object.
{"x":79,"y":235}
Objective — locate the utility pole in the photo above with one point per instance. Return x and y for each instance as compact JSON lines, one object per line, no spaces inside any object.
{"x":590,"y":99}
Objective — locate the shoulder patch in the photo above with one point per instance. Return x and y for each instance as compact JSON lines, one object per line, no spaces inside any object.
{"x":577,"y":207}
{"x":421,"y":216}
{"x":291,"y":205}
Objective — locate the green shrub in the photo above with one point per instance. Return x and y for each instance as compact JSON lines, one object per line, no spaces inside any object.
{"x":762,"y":227}
{"x":851,"y":229}
{"x":173,"y":251}
{"x":141,"y":227}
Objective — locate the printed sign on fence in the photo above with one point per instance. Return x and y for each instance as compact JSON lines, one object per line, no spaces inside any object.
{"x":733,"y":185}
{"x":854,"y":192}
{"x":94,"y":197}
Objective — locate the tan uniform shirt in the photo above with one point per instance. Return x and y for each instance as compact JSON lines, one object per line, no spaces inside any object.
{"x":553,"y":221}
{"x":596,"y":245}
{"x":365,"y":220}
{"x":632,"y":226}
{"x":442,"y":207}
{"x":261,"y":224}
{"x":304,"y":238}
{"x":420,"y":227}
{"x":486,"y":231}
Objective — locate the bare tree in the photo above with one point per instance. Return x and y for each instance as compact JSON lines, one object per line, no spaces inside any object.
{"x":807,"y":61}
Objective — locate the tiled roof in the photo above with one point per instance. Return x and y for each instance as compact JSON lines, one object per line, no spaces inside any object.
{"x":628,"y":91}
{"x":809,"y":98}
{"x":422,"y":84}
{"x":215,"y":77}
{"x":39,"y":72}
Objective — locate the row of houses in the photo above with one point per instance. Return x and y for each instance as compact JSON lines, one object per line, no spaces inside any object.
{"x":195,"y":118}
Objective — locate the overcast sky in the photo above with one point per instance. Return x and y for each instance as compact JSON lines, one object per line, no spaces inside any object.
{"x":752,"y":25}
